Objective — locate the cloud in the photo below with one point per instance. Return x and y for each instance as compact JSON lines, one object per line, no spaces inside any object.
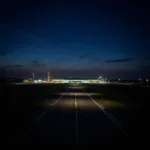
{"x":11,"y":66}
{"x":62,"y":60}
{"x":5,"y":52}
{"x":82,"y":56}
{"x":119,"y":60}
{"x":36,"y":63}
{"x":17,"y":66}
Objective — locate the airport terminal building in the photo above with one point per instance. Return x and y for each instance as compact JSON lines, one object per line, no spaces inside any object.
{"x":71,"y":80}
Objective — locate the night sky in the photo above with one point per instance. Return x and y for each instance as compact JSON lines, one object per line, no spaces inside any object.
{"x":75,"y":38}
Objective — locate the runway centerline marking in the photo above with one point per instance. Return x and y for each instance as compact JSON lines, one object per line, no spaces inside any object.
{"x":77,"y":130}
{"x":110,"y":117}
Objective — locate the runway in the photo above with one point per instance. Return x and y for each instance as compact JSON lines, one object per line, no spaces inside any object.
{"x":74,"y":121}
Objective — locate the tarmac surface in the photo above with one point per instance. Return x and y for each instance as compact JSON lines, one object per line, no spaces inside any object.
{"x":75,"y":119}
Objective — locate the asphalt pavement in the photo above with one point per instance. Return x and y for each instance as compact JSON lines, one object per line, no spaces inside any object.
{"x":74,"y":121}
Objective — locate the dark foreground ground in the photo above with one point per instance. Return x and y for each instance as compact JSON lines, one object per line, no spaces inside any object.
{"x":75,"y":116}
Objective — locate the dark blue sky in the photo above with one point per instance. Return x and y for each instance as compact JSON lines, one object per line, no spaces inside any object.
{"x":75,"y":38}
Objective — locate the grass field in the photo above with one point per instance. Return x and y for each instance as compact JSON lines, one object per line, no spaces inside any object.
{"x":25,"y":102}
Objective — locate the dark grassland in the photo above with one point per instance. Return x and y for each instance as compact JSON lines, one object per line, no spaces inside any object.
{"x":22,"y":103}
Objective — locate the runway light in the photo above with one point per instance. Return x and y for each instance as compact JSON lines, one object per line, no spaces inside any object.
{"x":146,"y":80}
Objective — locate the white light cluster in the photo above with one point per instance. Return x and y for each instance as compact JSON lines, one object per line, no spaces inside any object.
{"x":38,"y":81}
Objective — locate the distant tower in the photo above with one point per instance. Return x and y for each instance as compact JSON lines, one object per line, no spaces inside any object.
{"x":48,"y":78}
{"x":33,"y":76}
